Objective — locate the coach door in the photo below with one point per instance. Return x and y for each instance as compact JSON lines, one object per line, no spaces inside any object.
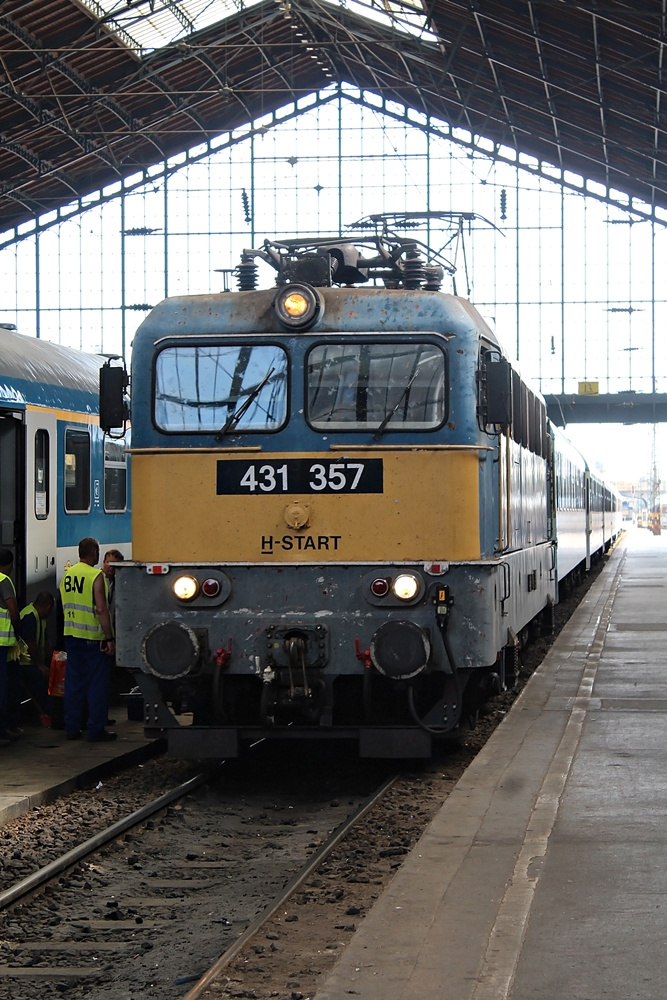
{"x":589,"y":517}
{"x":12,"y":492}
{"x":41,"y":513}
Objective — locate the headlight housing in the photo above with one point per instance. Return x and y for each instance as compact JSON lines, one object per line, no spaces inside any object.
{"x":297,"y":306}
{"x":199,"y":586}
{"x":393,"y":587}
{"x":185,"y":587}
{"x":405,"y":586}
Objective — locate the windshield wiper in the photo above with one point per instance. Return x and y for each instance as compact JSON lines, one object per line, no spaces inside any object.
{"x":236,"y":415}
{"x":396,"y":405}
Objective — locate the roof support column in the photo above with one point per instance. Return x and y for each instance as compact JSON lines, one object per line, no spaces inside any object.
{"x":38,"y":283}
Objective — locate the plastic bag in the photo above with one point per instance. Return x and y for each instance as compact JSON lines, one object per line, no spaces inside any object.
{"x":57,"y":674}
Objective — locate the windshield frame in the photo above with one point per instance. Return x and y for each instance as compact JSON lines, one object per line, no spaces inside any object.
{"x":430,"y":338}
{"x":239,"y":341}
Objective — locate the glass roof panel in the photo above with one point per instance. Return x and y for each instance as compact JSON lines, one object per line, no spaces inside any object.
{"x":146,"y":25}
{"x":403,"y":15}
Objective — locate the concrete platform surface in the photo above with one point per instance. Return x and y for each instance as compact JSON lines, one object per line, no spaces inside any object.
{"x":544,"y":875}
{"x":42,"y":763}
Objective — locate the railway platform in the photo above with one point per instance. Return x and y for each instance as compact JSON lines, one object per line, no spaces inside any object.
{"x":43,"y":764}
{"x":544,"y":875}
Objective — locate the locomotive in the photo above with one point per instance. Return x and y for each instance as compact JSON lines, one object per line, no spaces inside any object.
{"x":346,"y":505}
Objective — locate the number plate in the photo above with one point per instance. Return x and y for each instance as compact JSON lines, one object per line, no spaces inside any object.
{"x":299,"y":475}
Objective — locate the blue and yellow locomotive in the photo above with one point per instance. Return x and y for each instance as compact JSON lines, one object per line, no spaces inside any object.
{"x":344,"y":506}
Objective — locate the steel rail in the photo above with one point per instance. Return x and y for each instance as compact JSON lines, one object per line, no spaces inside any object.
{"x":311,"y":865}
{"x":43,"y":875}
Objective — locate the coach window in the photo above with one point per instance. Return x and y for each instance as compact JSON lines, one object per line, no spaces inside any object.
{"x":516,"y":407}
{"x":77,"y":471}
{"x":115,"y":476}
{"x":41,"y":474}
{"x":535,"y":428}
{"x":220,"y":388}
{"x":373,"y":386}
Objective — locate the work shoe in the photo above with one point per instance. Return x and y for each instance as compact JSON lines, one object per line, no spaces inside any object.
{"x":103,"y":737}
{"x":15,"y":733}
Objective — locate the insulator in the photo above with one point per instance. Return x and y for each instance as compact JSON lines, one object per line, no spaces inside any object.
{"x":434,"y":276}
{"x":246,"y":205}
{"x":414,"y":271}
{"x":503,"y":204}
{"x":246,"y":274}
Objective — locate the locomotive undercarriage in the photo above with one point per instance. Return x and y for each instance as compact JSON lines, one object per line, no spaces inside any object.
{"x":368,"y":708}
{"x":393,"y":677}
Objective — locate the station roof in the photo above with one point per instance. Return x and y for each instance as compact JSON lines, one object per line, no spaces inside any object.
{"x":92,"y":91}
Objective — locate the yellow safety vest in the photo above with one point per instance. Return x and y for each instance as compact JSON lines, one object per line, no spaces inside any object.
{"x":76,"y":590}
{"x":40,"y":634}
{"x":7,"y":637}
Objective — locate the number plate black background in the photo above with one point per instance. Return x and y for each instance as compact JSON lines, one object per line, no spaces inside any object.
{"x":299,"y":476}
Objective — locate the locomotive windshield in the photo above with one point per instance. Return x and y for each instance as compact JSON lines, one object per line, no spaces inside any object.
{"x":202,"y":388}
{"x":373,"y":386}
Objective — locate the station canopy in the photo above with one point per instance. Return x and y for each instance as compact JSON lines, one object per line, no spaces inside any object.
{"x":92,"y":91}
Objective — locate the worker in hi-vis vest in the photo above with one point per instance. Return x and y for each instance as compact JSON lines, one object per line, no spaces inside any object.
{"x":89,"y":643}
{"x":9,"y":630}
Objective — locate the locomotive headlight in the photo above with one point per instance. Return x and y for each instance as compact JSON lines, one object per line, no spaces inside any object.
{"x":297,"y":306}
{"x":405,"y":586}
{"x":185,"y":588}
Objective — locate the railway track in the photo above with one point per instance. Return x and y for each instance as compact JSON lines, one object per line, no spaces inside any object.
{"x":149,"y":904}
{"x":48,"y":872}
{"x":306,"y":871}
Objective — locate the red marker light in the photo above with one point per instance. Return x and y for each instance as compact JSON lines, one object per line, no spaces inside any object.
{"x":157,"y":569}
{"x":380,"y":587}
{"x":211,"y":587}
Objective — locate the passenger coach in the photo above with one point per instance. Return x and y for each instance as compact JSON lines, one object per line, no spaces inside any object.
{"x":62,"y":477}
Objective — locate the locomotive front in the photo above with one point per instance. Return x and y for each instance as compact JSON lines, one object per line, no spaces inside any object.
{"x":307,"y":468}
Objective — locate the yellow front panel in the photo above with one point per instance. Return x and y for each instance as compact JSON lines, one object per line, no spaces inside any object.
{"x":428,"y":510}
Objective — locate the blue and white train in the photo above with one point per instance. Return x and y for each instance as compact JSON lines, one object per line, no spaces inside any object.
{"x":61,"y":477}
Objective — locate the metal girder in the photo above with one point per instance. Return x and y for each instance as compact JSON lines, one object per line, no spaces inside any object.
{"x":36,"y":162}
{"x":548,"y":95}
{"x":156,"y":173}
{"x":557,"y":82}
{"x":498,"y":86}
{"x":365,"y":98}
{"x":50,"y":61}
{"x":500,"y":152}
{"x":608,"y":408}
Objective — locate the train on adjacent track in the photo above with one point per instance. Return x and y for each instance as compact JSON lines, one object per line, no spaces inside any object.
{"x":348,"y":505}
{"x":61,"y":478}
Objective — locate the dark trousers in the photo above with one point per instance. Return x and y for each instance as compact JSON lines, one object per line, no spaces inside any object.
{"x":86,"y":686}
{"x":13,"y":694}
{"x":3,"y":691}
